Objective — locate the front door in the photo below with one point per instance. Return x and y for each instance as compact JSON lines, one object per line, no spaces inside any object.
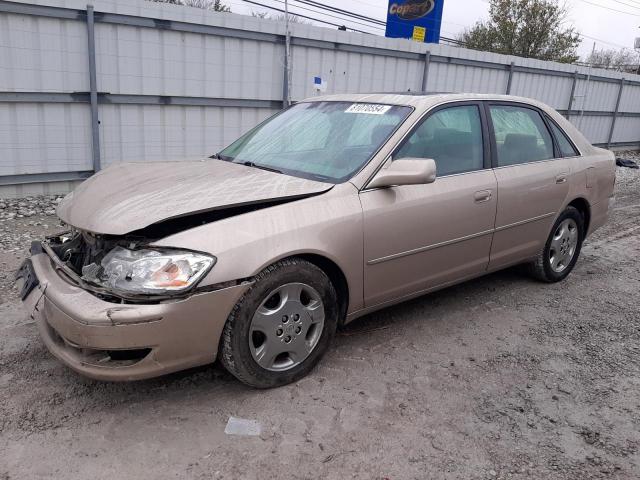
{"x":417,"y":237}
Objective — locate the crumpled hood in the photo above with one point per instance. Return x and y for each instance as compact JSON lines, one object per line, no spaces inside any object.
{"x":130,"y":196}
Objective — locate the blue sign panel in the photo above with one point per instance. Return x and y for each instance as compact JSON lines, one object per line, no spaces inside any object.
{"x":415,"y":19}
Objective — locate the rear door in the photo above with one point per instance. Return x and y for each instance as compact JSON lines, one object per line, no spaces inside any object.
{"x":532,"y":181}
{"x":417,"y":237}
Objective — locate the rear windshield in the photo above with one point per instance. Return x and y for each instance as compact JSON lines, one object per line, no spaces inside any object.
{"x":326,"y":141}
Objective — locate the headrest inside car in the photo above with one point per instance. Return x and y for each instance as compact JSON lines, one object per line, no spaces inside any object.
{"x":520,"y":141}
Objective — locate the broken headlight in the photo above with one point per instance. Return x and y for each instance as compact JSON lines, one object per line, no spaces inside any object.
{"x":149,"y":271}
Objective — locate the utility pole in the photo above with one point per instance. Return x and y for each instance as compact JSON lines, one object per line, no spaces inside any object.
{"x":636,"y":47}
{"x":287,"y":55}
{"x":587,"y":85}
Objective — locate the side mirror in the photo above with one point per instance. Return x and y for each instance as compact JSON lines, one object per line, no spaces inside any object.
{"x":405,"y":171}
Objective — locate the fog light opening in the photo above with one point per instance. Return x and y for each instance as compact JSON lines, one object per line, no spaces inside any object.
{"x":128,"y":355}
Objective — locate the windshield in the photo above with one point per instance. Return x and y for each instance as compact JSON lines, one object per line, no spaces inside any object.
{"x":326,"y":141}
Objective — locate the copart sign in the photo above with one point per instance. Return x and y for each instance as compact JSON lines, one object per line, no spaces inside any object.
{"x":418,"y":20}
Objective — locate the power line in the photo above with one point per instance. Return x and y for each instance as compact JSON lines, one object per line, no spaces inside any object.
{"x":600,"y":40}
{"x":453,"y":41}
{"x":383,"y":22}
{"x":628,"y":4}
{"x":609,"y":8}
{"x":329,"y":15}
{"x":631,"y":5}
{"x":632,"y":1}
{"x":305,"y":16}
{"x":341,"y":11}
{"x":369,"y":3}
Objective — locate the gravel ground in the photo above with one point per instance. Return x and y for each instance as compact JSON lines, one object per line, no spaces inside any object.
{"x":500,"y":377}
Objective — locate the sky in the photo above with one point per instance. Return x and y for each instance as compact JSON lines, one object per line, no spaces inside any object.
{"x":611,"y":24}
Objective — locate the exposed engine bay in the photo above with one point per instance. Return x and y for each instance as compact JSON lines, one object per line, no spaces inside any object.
{"x":79,"y":255}
{"x":82,"y":251}
{"x":108,"y":267}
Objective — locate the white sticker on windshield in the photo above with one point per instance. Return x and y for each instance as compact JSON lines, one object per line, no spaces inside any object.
{"x":370,"y":108}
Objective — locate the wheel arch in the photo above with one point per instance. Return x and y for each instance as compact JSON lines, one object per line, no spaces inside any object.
{"x":336,"y":276}
{"x":582,"y":205}
{"x":343,"y":277}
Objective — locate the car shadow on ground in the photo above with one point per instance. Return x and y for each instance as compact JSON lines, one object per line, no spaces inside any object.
{"x":398,"y":314}
{"x":213,"y":377}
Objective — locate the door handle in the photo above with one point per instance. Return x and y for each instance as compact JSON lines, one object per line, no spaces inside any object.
{"x":482,"y":196}
{"x":562,"y":178}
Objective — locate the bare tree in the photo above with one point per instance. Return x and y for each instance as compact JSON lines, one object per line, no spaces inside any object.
{"x":623,"y":60}
{"x":280,"y":16}
{"x":215,"y":5}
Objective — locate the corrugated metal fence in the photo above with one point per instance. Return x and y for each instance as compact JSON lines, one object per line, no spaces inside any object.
{"x":85,"y":86}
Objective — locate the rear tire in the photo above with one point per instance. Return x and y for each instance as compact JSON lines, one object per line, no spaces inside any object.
{"x":282,"y":326}
{"x":562,"y":248}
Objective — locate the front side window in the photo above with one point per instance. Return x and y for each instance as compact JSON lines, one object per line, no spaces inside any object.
{"x":452,"y":137}
{"x":566,"y":147}
{"x":521,"y":135}
{"x":326,"y":141}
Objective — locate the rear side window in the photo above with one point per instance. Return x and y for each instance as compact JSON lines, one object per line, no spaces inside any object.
{"x":452,"y":137}
{"x":566,"y":147}
{"x":521,"y":135}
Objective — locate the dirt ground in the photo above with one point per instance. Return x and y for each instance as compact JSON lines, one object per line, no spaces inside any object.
{"x":501,"y":377}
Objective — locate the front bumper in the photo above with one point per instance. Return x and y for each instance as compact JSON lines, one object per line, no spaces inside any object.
{"x":111,"y":341}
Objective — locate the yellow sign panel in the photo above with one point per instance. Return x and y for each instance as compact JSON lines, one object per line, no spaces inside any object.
{"x":418,"y":33}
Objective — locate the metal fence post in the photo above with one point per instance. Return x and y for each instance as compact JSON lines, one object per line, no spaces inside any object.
{"x":425,"y":72}
{"x":93,"y":87}
{"x":285,"y":83}
{"x":510,"y":78}
{"x":573,"y":92}
{"x":615,"y":113}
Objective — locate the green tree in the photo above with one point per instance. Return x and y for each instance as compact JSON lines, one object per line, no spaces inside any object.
{"x":215,"y":5}
{"x":526,"y":28}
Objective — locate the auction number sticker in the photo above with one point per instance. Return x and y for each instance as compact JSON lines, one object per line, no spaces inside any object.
{"x":369,"y":108}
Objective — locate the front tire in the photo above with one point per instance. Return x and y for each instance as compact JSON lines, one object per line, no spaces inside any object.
{"x":282,"y":326}
{"x":562,"y":248}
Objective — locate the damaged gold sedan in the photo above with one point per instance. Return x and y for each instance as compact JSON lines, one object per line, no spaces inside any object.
{"x":327,"y":211}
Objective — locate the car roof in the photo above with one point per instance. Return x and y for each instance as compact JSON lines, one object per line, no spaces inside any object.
{"x":421,"y":100}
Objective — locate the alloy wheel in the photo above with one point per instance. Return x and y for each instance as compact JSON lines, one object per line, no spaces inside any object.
{"x":286,"y":327}
{"x":563,"y":245}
